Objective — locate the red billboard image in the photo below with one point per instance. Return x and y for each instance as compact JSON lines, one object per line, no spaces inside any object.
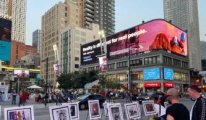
{"x":153,"y":35}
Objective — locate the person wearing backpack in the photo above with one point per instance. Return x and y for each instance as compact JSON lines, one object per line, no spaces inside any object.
{"x":198,"y":110}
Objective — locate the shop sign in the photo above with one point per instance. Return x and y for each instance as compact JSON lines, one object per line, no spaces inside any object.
{"x":169,"y":84}
{"x":152,"y":84}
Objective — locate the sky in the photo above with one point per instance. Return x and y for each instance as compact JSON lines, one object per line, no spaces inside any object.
{"x":128,"y":13}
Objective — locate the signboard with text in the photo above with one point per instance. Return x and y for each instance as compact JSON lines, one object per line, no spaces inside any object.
{"x":153,"y":35}
{"x":152,"y":84}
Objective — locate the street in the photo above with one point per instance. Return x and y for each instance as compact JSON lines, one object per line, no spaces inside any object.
{"x":42,"y":113}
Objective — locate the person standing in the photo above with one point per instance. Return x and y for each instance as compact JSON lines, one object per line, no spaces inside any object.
{"x":14,"y":94}
{"x":176,"y":111}
{"x":198,"y":110}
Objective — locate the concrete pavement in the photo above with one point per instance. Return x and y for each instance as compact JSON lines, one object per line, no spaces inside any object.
{"x":42,"y":113}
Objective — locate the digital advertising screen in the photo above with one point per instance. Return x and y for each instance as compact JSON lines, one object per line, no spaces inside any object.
{"x":168,"y":74}
{"x":151,"y":74}
{"x":103,"y":63}
{"x":90,"y":52}
{"x":5,"y":29}
{"x":5,"y":51}
{"x":22,"y":73}
{"x":153,"y":35}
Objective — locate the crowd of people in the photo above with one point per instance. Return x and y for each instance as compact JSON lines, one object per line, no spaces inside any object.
{"x":174,"y":111}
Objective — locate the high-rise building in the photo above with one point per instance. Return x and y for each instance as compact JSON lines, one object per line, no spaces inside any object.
{"x":203,"y":55}
{"x":71,"y":39}
{"x":36,"y":38}
{"x":184,"y":14}
{"x":5,"y":8}
{"x":19,"y":20}
{"x":101,"y":12}
{"x":53,"y":22}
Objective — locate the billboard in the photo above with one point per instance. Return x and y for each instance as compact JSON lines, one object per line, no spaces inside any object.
{"x":90,"y":51}
{"x":168,"y":74}
{"x":5,"y":51}
{"x":103,"y":63}
{"x":153,"y":35}
{"x":5,"y":29}
{"x":22,"y":73}
{"x":151,"y":74}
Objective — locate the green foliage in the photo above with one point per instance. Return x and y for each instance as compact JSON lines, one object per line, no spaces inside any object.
{"x":76,"y":79}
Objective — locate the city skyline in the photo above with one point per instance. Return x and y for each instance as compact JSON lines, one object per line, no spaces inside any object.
{"x":122,"y":9}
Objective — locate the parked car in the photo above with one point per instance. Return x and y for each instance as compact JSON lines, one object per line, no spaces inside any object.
{"x":83,"y":100}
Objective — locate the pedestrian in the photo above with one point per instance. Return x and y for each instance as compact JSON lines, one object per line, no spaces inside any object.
{"x":46,"y":96}
{"x":14,"y":97}
{"x":198,"y":110}
{"x":176,"y":111}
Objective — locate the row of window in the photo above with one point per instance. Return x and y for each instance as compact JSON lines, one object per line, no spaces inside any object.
{"x":138,"y":76}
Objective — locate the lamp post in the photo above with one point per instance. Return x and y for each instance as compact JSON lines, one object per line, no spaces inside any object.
{"x":46,"y":86}
{"x":129,"y":71}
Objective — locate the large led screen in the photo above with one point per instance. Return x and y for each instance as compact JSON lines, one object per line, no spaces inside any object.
{"x":5,"y":29}
{"x":90,"y":52}
{"x":153,"y":35}
{"x":5,"y":51}
{"x":168,"y":74}
{"x":22,"y":73}
{"x":151,"y":74}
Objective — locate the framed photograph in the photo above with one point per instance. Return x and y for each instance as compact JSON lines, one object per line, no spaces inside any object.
{"x":94,"y":109}
{"x":115,"y":111}
{"x":148,"y":107}
{"x":73,"y":110}
{"x":59,"y":112}
{"x":132,"y":110}
{"x":19,"y":113}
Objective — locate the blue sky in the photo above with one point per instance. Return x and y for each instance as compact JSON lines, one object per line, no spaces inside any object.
{"x":128,"y":13}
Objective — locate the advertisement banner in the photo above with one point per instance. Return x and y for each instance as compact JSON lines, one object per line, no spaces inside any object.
{"x":103,"y":63}
{"x":5,"y":51}
{"x":151,"y":74}
{"x":5,"y":29}
{"x":22,"y":73}
{"x":168,"y":74}
{"x":169,"y":84}
{"x":152,"y":84}
{"x":56,"y":69}
{"x":153,"y":35}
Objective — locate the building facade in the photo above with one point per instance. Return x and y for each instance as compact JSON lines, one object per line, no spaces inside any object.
{"x":151,"y":56}
{"x":203,"y":55}
{"x":5,"y":8}
{"x":71,"y":39}
{"x":19,"y":20}
{"x":53,"y":22}
{"x":36,"y":38}
{"x":101,"y":12}
{"x":184,"y":14}
{"x":16,"y":11}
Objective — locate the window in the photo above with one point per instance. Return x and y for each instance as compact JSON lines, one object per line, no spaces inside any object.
{"x":167,"y":60}
{"x":76,"y":58}
{"x":152,"y":60}
{"x":76,"y":65}
{"x":137,"y":75}
{"x":176,"y":62}
{"x":111,"y":66}
{"x":122,"y":64}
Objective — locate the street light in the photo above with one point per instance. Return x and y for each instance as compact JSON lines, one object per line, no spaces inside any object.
{"x":46,"y":86}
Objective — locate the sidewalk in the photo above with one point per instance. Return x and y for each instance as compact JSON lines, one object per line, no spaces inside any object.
{"x":29,"y":102}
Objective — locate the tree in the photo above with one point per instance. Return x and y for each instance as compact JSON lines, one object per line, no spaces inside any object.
{"x":76,"y":79}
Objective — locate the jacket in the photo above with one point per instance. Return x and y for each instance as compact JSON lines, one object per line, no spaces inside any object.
{"x":199,"y":109}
